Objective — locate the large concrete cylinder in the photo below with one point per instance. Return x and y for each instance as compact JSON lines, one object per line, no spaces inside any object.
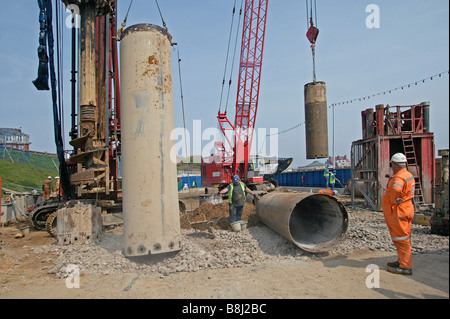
{"x":312,"y":222}
{"x":316,"y":124}
{"x":150,"y":191}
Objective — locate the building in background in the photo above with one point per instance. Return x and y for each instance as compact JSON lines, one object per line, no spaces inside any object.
{"x":14,"y":138}
{"x":339,"y":161}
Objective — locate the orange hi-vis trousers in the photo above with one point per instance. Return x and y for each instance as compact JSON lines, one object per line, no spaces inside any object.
{"x":399,"y":217}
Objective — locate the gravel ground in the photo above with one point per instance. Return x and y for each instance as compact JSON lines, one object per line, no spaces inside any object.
{"x":254,"y":246}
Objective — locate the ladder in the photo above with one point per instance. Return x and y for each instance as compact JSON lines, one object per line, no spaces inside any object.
{"x":413,"y":167}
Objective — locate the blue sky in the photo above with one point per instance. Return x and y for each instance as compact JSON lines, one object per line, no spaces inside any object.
{"x":412,"y":43}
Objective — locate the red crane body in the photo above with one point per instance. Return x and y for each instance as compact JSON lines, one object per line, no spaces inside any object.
{"x":223,"y":165}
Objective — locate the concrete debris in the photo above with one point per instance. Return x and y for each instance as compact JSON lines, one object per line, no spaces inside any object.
{"x":256,"y":246}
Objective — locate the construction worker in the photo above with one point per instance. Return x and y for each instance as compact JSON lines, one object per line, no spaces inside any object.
{"x":236,"y":198}
{"x":326,"y":191}
{"x":326,"y":175}
{"x":59,"y":190}
{"x":333,"y":179}
{"x":47,"y":187}
{"x":398,"y":210}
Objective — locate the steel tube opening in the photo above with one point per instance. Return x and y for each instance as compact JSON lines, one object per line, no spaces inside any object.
{"x":312,"y":222}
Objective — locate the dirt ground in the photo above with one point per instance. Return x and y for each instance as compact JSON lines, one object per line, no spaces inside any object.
{"x":23,"y":275}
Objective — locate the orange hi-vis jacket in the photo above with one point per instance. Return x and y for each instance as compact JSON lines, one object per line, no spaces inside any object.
{"x":59,"y":190}
{"x":47,"y":187}
{"x":399,"y":217}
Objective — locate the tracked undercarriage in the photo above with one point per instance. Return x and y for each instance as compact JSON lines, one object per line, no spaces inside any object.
{"x":44,"y":216}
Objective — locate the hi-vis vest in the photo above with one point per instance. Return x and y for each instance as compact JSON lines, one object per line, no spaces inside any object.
{"x":47,"y":187}
{"x":398,"y":217}
{"x":230,"y":192}
{"x":401,"y":185}
{"x":332,"y":178}
{"x":326,"y":172}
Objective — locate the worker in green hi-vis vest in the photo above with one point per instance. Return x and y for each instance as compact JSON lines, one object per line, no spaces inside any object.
{"x":236,"y":198}
{"x":326,"y":175}
{"x":333,"y":179}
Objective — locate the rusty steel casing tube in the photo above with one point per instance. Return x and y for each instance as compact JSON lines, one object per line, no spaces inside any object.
{"x":313,"y":222}
{"x":151,"y":221}
{"x":316,"y":123}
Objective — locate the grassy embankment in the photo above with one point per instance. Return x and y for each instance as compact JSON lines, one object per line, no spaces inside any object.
{"x":23,"y":172}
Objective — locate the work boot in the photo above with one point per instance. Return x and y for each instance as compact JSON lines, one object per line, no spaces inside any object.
{"x":399,"y":271}
{"x":393,"y":264}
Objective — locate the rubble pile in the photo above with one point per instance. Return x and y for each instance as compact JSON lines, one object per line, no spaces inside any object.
{"x":256,"y":246}
{"x":252,"y":247}
{"x":369,"y":231}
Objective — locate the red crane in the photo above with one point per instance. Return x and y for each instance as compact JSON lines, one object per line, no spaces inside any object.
{"x":224,"y":164}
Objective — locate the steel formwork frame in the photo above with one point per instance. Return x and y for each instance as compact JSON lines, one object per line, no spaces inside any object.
{"x":384,"y":133}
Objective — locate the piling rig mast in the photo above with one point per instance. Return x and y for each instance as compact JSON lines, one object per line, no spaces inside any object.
{"x":93,"y":168}
{"x":96,"y":155}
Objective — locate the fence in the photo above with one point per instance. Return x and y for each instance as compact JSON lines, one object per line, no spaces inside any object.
{"x":189,"y":180}
{"x":34,"y":159}
{"x":312,"y":178}
{"x":296,"y":179}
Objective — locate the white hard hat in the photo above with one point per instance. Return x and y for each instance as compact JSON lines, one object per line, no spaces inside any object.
{"x":57,"y":177}
{"x":49,"y":177}
{"x":398,"y":158}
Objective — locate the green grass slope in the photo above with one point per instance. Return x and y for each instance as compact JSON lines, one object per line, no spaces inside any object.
{"x":16,"y":175}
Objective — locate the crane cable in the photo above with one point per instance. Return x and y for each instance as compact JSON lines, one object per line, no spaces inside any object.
{"x":160,"y":14}
{"x":124,"y":23}
{"x":184,"y":124}
{"x":312,"y":32}
{"x":227,"y":56}
{"x":234,"y":54}
{"x":309,"y":16}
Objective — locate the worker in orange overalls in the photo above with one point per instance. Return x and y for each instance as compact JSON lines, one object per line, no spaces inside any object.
{"x":398,"y":210}
{"x":47,"y":187}
{"x":59,"y":190}
{"x":326,"y":191}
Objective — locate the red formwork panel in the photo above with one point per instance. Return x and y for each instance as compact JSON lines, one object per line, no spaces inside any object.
{"x":390,"y":130}
{"x":382,"y":148}
{"x":428,"y":167}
